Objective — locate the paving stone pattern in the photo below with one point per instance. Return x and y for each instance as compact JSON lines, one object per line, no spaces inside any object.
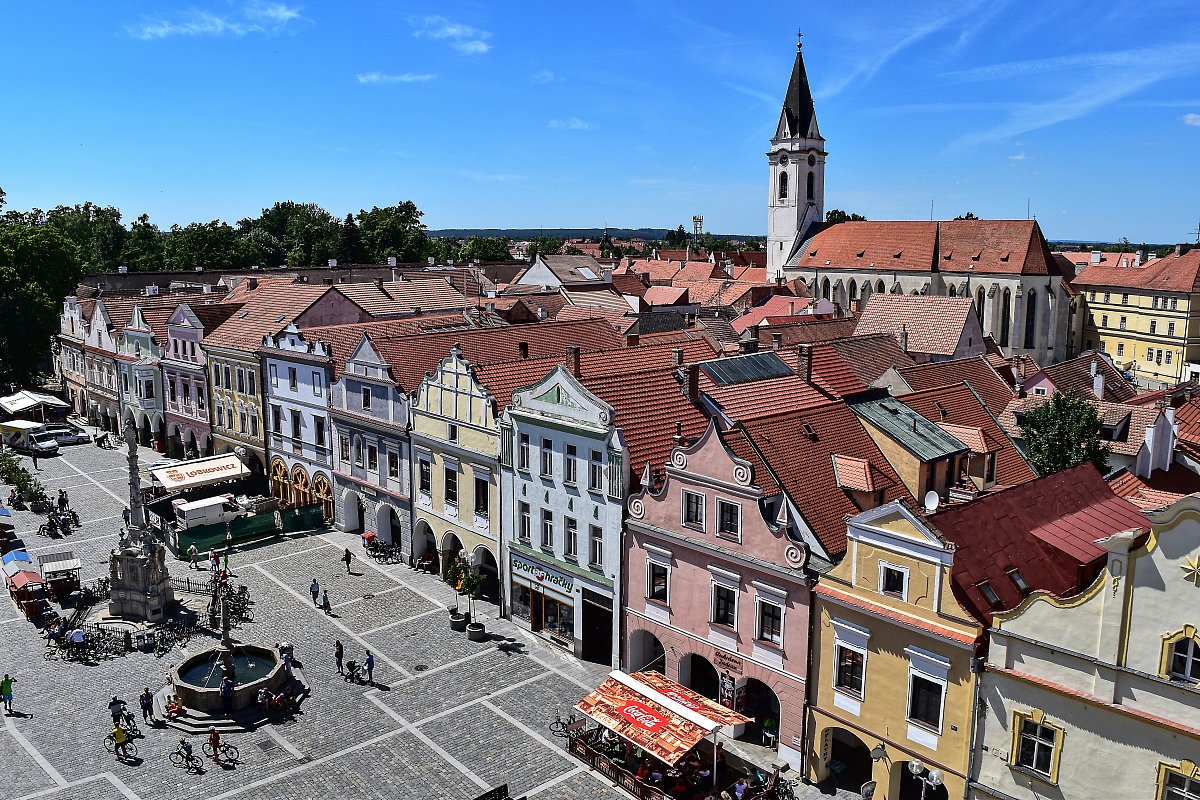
{"x":438,"y":686}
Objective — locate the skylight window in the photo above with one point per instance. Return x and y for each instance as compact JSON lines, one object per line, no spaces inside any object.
{"x":989,"y":594}
{"x":810,"y":432}
{"x":1019,"y":580}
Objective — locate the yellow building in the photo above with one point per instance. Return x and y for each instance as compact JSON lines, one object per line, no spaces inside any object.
{"x":891,"y":680}
{"x":1145,"y":316}
{"x":456,"y":470}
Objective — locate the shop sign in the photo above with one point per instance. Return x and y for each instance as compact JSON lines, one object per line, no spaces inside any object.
{"x":641,"y":715}
{"x":541,"y":575}
{"x":678,"y":698}
{"x":727,"y":663}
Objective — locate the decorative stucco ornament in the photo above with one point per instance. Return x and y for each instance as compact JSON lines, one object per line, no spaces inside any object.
{"x":1191,"y":570}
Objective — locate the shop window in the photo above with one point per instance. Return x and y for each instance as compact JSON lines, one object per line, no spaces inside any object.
{"x":770,"y":622}
{"x":1037,"y":745}
{"x":570,"y":467}
{"x":724,"y":605}
{"x":482,"y":492}
{"x":424,"y":476}
{"x":893,"y":580}
{"x":450,"y":493}
{"x":523,"y":531}
{"x":925,"y":701}
{"x":521,"y":601}
{"x":596,"y":471}
{"x":523,"y":452}
{"x":729,"y":519}
{"x":547,"y":458}
{"x":693,"y":509}
{"x":595,"y":546}
{"x":547,"y":529}
{"x":851,"y":669}
{"x":570,"y":537}
{"x":1177,"y":786}
{"x":658,"y":582}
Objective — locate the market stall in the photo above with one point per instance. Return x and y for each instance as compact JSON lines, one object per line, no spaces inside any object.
{"x":33,"y":406}
{"x":27,"y":590}
{"x":60,"y":571}
{"x":650,"y":734}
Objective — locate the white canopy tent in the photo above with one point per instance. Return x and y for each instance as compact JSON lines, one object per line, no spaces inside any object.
{"x":24,"y":401}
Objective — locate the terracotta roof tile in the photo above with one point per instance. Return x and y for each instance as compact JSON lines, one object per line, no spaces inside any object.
{"x":754,"y":399}
{"x":621,"y":321}
{"x":433,"y":293}
{"x":1076,"y":374}
{"x":1045,"y":528}
{"x":1160,"y":490}
{"x":976,"y":372}
{"x":827,"y":591}
{"x":1170,"y":274}
{"x":871,"y":356}
{"x":776,"y":305}
{"x":597,"y":297}
{"x":934,"y":324}
{"x":266,"y":312}
{"x":802,"y":330}
{"x":666,"y":295}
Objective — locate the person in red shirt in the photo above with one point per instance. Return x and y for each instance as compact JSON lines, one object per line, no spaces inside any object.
{"x":214,"y":741}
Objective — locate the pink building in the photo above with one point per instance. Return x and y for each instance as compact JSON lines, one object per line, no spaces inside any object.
{"x":717,"y":592}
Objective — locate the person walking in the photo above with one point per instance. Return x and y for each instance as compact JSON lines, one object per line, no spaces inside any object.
{"x":214,"y":563}
{"x":125,"y":516}
{"x":369,"y":663}
{"x":338,"y":652}
{"x":62,"y":500}
{"x":35,"y":464}
{"x":315,"y":591}
{"x":227,"y":695}
{"x":325,"y":606}
{"x":347,"y":558}
{"x":146,"y":700}
{"x":7,"y":681}
{"x":194,"y":555}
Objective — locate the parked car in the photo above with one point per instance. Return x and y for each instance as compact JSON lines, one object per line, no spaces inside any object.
{"x":68,"y":434}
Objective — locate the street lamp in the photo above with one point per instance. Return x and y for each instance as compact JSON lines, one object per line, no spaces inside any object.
{"x":930,"y":779}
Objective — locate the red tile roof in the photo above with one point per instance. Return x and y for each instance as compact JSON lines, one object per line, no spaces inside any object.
{"x":666,"y":295}
{"x":776,"y":305}
{"x":1076,"y":374}
{"x":699,"y":271}
{"x":757,"y":274}
{"x":959,"y":246}
{"x":1187,"y":418}
{"x":596,"y":297}
{"x":934,"y":324}
{"x":976,"y":372}
{"x":1161,"y":489}
{"x":754,"y":399}
{"x":432,"y":293}
{"x":720,"y":291}
{"x":1046,"y":528}
{"x":629,"y":283}
{"x":1171,"y":274}
{"x":267,"y":310}
{"x":802,"y":463}
{"x":857,"y":474}
{"x":871,"y":356}
{"x":1130,"y":421}
{"x":343,"y":340}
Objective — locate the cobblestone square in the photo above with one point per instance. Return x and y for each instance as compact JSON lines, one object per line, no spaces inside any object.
{"x":447,"y":717}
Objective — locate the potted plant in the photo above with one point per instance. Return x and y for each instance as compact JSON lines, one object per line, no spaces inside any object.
{"x":466,"y":581}
{"x":456,"y":573}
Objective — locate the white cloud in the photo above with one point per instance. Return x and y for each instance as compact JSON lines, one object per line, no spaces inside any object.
{"x":405,"y":77}
{"x":267,"y":19}
{"x":463,"y":38}
{"x":1192,"y":119}
{"x":569,"y":124}
{"x":1018,"y":157}
{"x":543,"y":76}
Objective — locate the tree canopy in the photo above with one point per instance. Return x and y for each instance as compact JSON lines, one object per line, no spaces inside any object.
{"x":837,"y":215}
{"x":1062,"y":432}
{"x":484,"y":249}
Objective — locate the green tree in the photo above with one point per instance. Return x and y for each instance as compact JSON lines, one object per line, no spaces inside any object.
{"x":258,"y":247}
{"x":308,"y":233}
{"x":143,"y":248}
{"x":394,"y":231}
{"x":442,"y":249}
{"x":544,"y":245}
{"x":38,"y":267}
{"x":837,"y":215}
{"x":97,"y":232}
{"x":201,"y":244}
{"x":484,"y":249}
{"x":968,"y":215}
{"x":1062,"y":432}
{"x":753,"y":244}
{"x":350,"y":243}
{"x":676,"y":238}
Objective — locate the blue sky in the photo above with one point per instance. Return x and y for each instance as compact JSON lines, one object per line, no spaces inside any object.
{"x":627,"y":113}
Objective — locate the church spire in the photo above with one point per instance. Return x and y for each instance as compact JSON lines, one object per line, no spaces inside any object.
{"x":798,"y":120}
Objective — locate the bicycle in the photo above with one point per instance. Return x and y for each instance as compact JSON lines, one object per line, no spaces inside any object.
{"x":785,"y":789}
{"x":189,"y":761}
{"x":229,"y":752}
{"x":564,"y":728}
{"x":110,"y":744}
{"x":129,"y":723}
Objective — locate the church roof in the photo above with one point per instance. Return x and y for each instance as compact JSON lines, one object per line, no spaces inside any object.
{"x":799,"y":115}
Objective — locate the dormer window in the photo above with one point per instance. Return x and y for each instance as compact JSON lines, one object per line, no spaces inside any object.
{"x":989,"y":594}
{"x":893,"y":580}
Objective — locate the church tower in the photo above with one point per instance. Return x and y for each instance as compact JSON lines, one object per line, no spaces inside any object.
{"x":797,"y":161}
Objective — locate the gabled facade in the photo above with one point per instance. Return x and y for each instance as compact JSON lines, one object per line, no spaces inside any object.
{"x":72,"y":357}
{"x":100,"y":365}
{"x":140,"y":379}
{"x":456,"y":470}
{"x":185,"y":383}
{"x":1095,"y":694}
{"x":296,"y":394}
{"x":562,"y":529}
{"x":717,"y":592}
{"x":892,"y":678}
{"x":372,"y":458}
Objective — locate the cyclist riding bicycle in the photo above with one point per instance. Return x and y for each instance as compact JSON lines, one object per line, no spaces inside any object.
{"x":120,"y":739}
{"x":185,"y":749}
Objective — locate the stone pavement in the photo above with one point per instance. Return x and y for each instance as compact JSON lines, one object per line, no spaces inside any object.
{"x":447,"y":717}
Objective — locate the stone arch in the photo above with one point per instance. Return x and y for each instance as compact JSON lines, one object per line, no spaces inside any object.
{"x":301,"y":486}
{"x":175,"y":446}
{"x":387,"y":530}
{"x":846,"y":748}
{"x":783,"y":185}
{"x":449,"y":549}
{"x":281,"y":486}
{"x":698,"y":674}
{"x":762,"y":706}
{"x":825,"y":289}
{"x":423,"y":540}
{"x":323,"y":494}
{"x":485,"y":563}
{"x":352,"y":512}
{"x":952,"y":291}
{"x":646,"y":652}
{"x":912,"y":788}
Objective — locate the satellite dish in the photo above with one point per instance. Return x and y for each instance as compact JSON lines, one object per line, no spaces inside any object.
{"x":931,"y":502}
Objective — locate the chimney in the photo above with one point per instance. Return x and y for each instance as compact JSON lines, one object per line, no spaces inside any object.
{"x":206,"y":288}
{"x":152,"y":290}
{"x":1179,"y":250}
{"x":632,"y":340}
{"x":904,"y":338}
{"x":573,"y":361}
{"x":431,"y":261}
{"x":1096,"y":256}
{"x":776,"y":341}
{"x":1098,"y":386}
{"x":693,"y":382}
{"x":523,"y":350}
{"x":1092,"y":369}
{"x":804,"y":361}
{"x":379,"y":284}
{"x":678,"y":439}
{"x":252,"y":283}
{"x":677,"y":356}
{"x":1139,"y":257}
{"x":333,"y":262}
{"x":391,"y":261}
{"x":606,"y":274}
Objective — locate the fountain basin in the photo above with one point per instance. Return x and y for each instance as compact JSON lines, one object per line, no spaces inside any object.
{"x":197,"y":680}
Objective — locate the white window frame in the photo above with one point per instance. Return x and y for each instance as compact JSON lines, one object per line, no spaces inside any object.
{"x":570,"y":537}
{"x":854,"y":637}
{"x":683,"y":498}
{"x":570,"y":464}
{"x":717,"y":522}
{"x":274,"y":376}
{"x":365,"y":395}
{"x":523,"y":452}
{"x":903,"y":596}
{"x":761,"y":600}
{"x":546,"y":542}
{"x":933,"y":668}
{"x":524,"y":522}
{"x":546,"y":458}
{"x":726,"y":580}
{"x":652,"y":561}
{"x":596,"y":471}
{"x":316,"y":382}
{"x":595,"y":546}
